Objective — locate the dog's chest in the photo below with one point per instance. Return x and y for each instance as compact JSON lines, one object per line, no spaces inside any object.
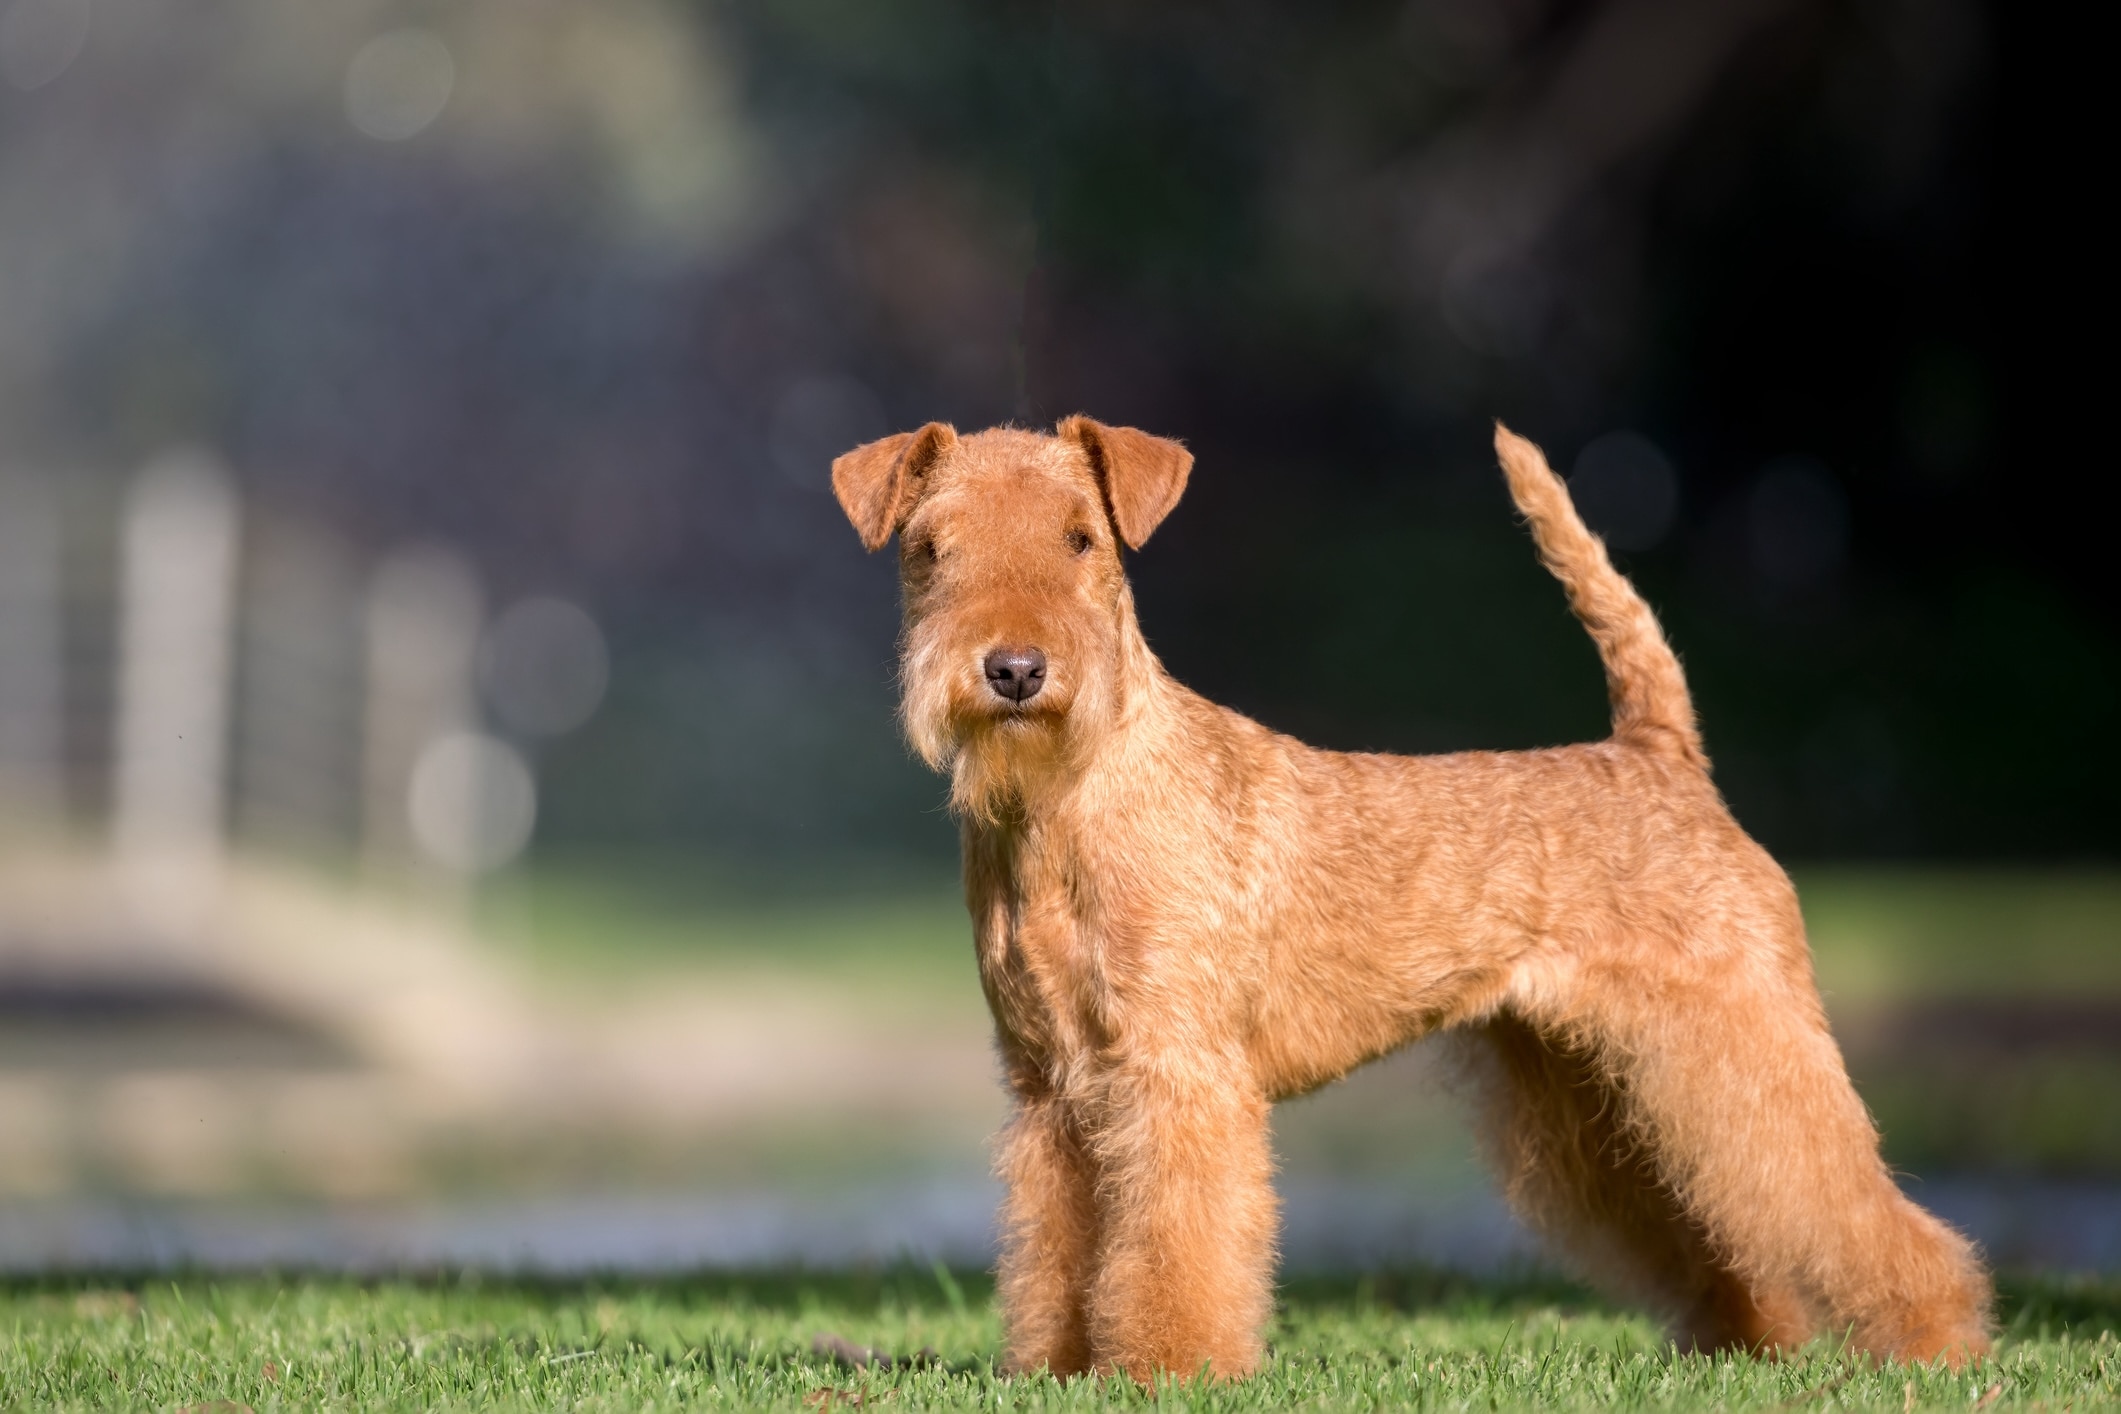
{"x":1039,"y":962}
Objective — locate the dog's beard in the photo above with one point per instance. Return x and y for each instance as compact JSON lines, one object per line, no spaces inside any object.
{"x":1001,"y":764}
{"x":931,"y":699}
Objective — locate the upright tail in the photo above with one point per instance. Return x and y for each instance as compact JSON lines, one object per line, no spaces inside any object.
{"x":1651,"y":708}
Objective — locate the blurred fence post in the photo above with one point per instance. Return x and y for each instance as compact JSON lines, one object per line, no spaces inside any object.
{"x":298,"y":715}
{"x":425,"y":610}
{"x":31,"y":723}
{"x":178,"y":561}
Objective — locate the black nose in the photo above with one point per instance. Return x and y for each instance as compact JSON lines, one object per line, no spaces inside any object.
{"x":1016,"y":673}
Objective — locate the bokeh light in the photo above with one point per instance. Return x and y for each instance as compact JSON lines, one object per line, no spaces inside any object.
{"x":543,"y":666}
{"x":1626,"y":490}
{"x":399,"y":83}
{"x":40,"y":39}
{"x":473,"y":801}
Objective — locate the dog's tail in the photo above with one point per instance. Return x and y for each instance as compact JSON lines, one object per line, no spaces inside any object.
{"x":1651,"y":707}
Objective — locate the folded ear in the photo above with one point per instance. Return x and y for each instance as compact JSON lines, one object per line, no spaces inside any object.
{"x":878,"y":483}
{"x":1143,"y":476}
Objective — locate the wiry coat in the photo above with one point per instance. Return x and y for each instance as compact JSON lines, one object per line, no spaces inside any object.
{"x":1181,"y":917}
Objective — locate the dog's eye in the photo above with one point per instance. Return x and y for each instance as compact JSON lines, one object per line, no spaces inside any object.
{"x":922,"y":551}
{"x":1078,"y":540}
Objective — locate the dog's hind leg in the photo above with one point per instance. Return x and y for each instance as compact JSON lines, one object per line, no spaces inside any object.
{"x":1734,"y":1091}
{"x":1550,"y":1123}
{"x":1049,"y":1238}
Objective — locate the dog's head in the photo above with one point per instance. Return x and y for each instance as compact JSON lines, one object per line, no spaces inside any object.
{"x":1017,"y":612}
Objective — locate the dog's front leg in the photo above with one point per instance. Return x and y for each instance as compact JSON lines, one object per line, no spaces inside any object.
{"x":1049,"y":1234}
{"x":1187,"y":1210}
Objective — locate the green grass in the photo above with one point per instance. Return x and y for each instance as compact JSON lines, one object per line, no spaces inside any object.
{"x":1406,"y":1340}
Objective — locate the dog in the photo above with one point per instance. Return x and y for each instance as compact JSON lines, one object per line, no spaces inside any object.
{"x":1181,"y":917}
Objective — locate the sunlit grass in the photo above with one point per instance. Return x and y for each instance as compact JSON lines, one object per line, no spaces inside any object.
{"x":1405,"y":1340}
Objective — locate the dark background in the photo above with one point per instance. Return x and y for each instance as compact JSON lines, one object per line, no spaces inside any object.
{"x":1833,"y":259}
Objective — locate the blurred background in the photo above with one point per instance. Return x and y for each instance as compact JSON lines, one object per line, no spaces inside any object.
{"x":450,"y":807}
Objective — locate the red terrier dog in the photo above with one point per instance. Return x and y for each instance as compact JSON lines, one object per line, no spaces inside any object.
{"x":1182,"y":917}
